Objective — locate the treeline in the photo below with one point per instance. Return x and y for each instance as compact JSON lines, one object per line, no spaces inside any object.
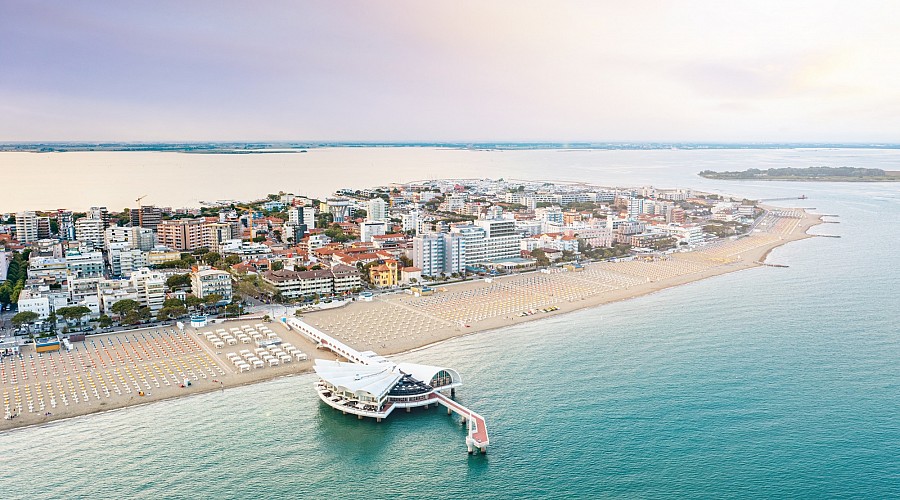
{"x":809,"y":172}
{"x":16,"y":274}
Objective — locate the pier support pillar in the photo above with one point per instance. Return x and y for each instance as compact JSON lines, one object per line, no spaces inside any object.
{"x":453,"y":392}
{"x":359,"y":417}
{"x":378,"y":419}
{"x":464,"y":420}
{"x":448,"y":411}
{"x":343,"y":412}
{"x":483,"y":450}
{"x":408,"y":409}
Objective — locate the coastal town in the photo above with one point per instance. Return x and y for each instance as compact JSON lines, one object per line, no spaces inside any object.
{"x":102,"y":308}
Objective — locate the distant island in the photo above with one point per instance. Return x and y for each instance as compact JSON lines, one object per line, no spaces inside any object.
{"x":817,"y":174}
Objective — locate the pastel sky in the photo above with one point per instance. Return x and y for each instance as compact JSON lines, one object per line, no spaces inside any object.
{"x":450,"y":71}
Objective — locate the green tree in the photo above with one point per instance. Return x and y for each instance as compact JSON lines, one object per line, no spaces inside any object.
{"x":173,"y":303}
{"x":124,"y":307}
{"x":73,"y":313}
{"x":178,"y":281}
{"x":192,"y":302}
{"x":212,"y":300}
{"x":211,"y":258}
{"x":277,"y":266}
{"x":24,"y":318}
{"x":172,"y":312}
{"x":105,"y":321}
{"x":232,"y":260}
{"x":541,"y":257}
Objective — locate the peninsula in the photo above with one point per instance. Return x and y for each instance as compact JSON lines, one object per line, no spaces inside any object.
{"x":112,"y":310}
{"x":810,"y":174}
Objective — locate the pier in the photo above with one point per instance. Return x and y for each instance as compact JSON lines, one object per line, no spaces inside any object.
{"x":477,"y":428}
{"x":369,"y":385}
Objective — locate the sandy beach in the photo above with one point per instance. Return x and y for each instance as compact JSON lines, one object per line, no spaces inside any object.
{"x":107,"y":372}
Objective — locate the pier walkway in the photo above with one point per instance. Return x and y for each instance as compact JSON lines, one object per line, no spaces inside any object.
{"x":478,"y":435}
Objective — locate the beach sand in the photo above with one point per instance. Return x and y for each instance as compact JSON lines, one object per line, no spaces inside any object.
{"x":107,"y":372}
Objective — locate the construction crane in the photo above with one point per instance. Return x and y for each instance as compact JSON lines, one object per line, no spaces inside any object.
{"x":140,"y":211}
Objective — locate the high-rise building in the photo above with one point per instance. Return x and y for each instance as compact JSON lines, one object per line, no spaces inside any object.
{"x":489,"y":240}
{"x":99,"y":213}
{"x":89,"y":232}
{"x":151,"y":288}
{"x":181,"y":234}
{"x":309,"y":216}
{"x":141,"y":238}
{"x":65,"y":224}
{"x":146,"y":216}
{"x":635,"y":207}
{"x":440,"y":253}
{"x":411,"y":221}
{"x":43,"y":228}
{"x":376,"y":210}
{"x":26,"y":227}
{"x":216,"y":233}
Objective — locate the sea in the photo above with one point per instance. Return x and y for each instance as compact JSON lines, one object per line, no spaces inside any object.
{"x":773,"y":382}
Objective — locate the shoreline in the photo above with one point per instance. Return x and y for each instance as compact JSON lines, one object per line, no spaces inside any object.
{"x":396,"y":305}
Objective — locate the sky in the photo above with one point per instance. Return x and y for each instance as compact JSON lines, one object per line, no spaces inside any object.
{"x":713,"y":71}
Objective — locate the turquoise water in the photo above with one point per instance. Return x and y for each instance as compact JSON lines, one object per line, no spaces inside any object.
{"x":770,"y":382}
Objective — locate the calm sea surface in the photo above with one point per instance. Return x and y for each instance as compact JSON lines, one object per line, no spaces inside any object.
{"x":771,"y":382}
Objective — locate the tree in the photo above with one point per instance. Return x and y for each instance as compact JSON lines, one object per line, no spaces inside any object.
{"x":232,"y":260}
{"x":171,"y":312}
{"x":24,"y":318}
{"x":124,"y":307}
{"x":173,"y":303}
{"x":192,"y":302}
{"x":178,"y":281}
{"x":541,"y":257}
{"x":73,"y":313}
{"x":211,"y":258}
{"x":105,"y":321}
{"x":212,"y":299}
{"x":277,"y":266}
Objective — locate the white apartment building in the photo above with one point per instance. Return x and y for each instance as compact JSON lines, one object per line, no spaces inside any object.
{"x":439,"y":253}
{"x":123,"y":260}
{"x":26,"y":227}
{"x":690,"y":234}
{"x":246,"y":250}
{"x":85,"y":265}
{"x":206,"y":281}
{"x":292,"y":284}
{"x":47,"y":268}
{"x":411,"y":221}
{"x":150,"y":287}
{"x":141,"y":238}
{"x":90,"y":232}
{"x":371,"y":228}
{"x":554,"y":241}
{"x":376,"y":210}
{"x":37,"y":303}
{"x":215,"y":234}
{"x":488,"y":240}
